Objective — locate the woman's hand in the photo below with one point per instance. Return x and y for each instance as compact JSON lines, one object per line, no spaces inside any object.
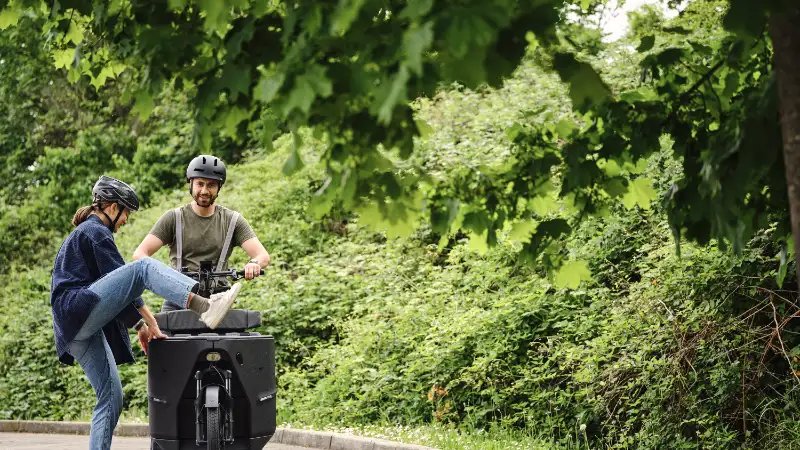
{"x":146,"y":334}
{"x":144,"y":338}
{"x":155,"y":332}
{"x":150,"y":331}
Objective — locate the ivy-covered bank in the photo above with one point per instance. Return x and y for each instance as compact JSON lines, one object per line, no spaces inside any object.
{"x":656,"y":351}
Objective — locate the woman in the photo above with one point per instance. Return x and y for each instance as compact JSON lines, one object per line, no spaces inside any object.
{"x":93,"y":290}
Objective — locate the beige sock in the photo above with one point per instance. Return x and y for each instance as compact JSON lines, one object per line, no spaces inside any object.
{"x":197,"y":303}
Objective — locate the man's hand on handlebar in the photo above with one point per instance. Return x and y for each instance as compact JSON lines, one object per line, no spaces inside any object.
{"x":252,"y":270}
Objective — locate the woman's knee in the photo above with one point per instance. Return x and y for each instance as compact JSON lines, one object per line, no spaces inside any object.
{"x":144,"y":262}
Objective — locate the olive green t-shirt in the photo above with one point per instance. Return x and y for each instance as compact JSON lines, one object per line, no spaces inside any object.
{"x":203,"y":237}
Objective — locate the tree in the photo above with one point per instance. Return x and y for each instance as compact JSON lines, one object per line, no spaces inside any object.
{"x":350,"y":67}
{"x":786,"y":42}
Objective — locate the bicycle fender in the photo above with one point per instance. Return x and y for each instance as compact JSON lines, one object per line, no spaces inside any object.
{"x":212,"y":397}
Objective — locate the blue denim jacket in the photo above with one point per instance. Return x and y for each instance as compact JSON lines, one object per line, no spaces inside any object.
{"x":88,"y":253}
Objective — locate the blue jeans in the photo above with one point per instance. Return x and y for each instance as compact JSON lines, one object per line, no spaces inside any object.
{"x":117,"y":290}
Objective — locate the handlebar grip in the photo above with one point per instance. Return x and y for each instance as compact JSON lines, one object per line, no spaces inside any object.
{"x":241,"y":272}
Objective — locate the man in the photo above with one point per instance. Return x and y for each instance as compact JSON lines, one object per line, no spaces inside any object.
{"x":205,"y":230}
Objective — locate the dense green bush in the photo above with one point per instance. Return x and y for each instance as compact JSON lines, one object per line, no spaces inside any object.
{"x":657,"y":351}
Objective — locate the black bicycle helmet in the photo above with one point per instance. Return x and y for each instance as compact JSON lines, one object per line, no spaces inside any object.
{"x":115,"y":191}
{"x":206,"y":166}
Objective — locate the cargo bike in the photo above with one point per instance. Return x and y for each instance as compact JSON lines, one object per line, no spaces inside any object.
{"x":211,"y":389}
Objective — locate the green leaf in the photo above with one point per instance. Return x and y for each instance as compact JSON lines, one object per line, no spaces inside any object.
{"x":394,"y":223}
{"x":585,"y":85}
{"x":642,"y":94}
{"x":234,"y":116}
{"x":319,"y":82}
{"x":313,"y":20}
{"x":640,"y":192}
{"x":269,"y":85}
{"x":9,"y":17}
{"x":320,"y":205}
{"x":415,"y":42}
{"x":571,"y":274}
{"x":477,"y":242}
{"x":463,"y":30}
{"x":242,"y":34}
{"x":543,"y":205}
{"x":391,"y":95}
{"x":293,"y":164}
{"x":614,"y":187}
{"x":783,"y":257}
{"x":236,"y":79}
{"x":177,"y":5}
{"x":610,"y":167}
{"x":345,"y":14}
{"x":513,"y":131}
{"x":73,"y":75}
{"x":731,"y":84}
{"x":669,"y":56}
{"x":307,"y":87}
{"x":101,"y":78}
{"x":745,"y":17}
{"x":521,"y":231}
{"x":646,"y":43}
{"x":641,"y":165}
{"x":144,"y":104}
{"x":423,"y":128}
{"x":216,"y":14}
{"x":64,"y":58}
{"x":416,"y":8}
{"x":270,"y":126}
{"x":75,"y":33}
{"x":349,"y":189}
{"x":117,"y":68}
{"x":565,"y":127}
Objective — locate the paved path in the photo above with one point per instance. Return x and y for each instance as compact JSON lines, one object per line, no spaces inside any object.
{"x":30,"y":441}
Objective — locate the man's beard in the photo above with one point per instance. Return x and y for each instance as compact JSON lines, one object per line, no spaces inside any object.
{"x":204,"y":202}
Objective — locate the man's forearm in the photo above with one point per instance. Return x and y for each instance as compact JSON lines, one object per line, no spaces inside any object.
{"x":138,"y":254}
{"x":262,"y":259}
{"x":148,"y":247}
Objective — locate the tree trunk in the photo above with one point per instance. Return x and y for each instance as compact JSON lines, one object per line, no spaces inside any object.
{"x":785,"y":33}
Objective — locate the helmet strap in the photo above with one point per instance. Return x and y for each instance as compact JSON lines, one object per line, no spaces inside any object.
{"x":112,"y":223}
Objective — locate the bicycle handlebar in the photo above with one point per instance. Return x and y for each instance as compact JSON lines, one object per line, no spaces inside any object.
{"x":233,"y":273}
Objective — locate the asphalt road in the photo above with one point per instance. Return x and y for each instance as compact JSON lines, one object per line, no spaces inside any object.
{"x":27,"y":441}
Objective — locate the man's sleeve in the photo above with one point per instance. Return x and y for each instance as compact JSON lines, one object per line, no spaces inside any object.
{"x":243,"y":231}
{"x":108,"y":259}
{"x":164,"y":227}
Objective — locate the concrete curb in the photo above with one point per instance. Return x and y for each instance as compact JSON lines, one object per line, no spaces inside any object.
{"x":290,"y":436}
